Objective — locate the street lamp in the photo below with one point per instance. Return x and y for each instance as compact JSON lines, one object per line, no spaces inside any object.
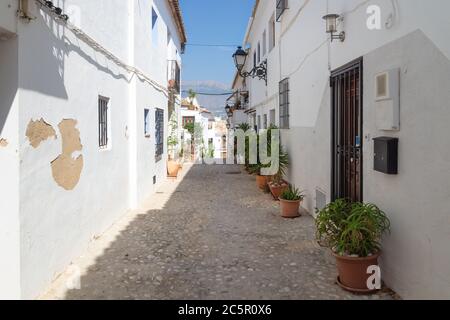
{"x":260,"y":71}
{"x":331,"y":21}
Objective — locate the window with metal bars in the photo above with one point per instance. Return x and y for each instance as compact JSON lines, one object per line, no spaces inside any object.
{"x":103,"y":122}
{"x":159,"y":133}
{"x":282,"y":5}
{"x":284,"y":104}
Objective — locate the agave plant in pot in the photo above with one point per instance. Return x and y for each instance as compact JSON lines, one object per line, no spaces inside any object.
{"x":261,"y":180}
{"x":290,"y":200}
{"x":277,"y":184}
{"x":353,"y":232}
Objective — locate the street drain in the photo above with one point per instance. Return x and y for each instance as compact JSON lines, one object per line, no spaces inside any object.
{"x":233,"y":172}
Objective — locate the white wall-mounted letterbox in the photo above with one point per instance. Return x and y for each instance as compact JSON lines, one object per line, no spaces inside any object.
{"x":387,"y":100}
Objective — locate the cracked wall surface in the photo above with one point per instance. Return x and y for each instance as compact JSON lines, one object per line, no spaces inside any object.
{"x":39,"y":131}
{"x":67,"y":170}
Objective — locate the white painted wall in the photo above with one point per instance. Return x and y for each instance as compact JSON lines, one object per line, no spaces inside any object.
{"x":8,"y":23}
{"x":416,"y":260}
{"x":60,"y":77}
{"x":239,"y":117}
{"x":9,"y":172}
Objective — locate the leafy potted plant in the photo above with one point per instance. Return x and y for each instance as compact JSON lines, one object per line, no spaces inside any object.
{"x":353,"y":232}
{"x":277,"y":184}
{"x":290,"y":200}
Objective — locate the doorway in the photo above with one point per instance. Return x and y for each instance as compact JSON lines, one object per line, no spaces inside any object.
{"x":346,"y":132}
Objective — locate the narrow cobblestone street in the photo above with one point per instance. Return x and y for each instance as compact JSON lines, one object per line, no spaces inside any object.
{"x":213,"y":235}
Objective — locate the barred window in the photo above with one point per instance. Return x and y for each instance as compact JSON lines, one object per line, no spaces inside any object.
{"x":281,"y":7}
{"x":284,"y":104}
{"x":103,"y":122}
{"x":159,"y":133}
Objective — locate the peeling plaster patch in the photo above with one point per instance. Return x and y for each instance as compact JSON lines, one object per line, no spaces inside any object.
{"x":39,"y":131}
{"x":3,"y":143}
{"x":65,"y":169}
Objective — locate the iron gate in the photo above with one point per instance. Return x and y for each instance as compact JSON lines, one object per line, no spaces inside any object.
{"x":346,"y":124}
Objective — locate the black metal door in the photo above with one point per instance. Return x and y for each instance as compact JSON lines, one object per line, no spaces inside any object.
{"x":346,"y":140}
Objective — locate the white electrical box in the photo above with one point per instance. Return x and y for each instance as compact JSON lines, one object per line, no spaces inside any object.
{"x":387,"y":100}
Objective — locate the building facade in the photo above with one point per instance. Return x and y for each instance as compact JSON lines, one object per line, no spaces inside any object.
{"x":338,"y":101}
{"x":85,"y":104}
{"x":213,"y":129}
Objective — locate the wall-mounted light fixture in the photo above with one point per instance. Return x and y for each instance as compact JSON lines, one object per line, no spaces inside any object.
{"x":260,"y":71}
{"x":332,"y":21}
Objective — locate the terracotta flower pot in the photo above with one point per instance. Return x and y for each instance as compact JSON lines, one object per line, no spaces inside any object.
{"x":172,"y":168}
{"x":261,"y":182}
{"x":278,"y":189}
{"x":353,"y":274}
{"x":290,"y":209}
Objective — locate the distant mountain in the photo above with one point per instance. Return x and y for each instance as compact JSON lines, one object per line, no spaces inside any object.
{"x":214,"y":103}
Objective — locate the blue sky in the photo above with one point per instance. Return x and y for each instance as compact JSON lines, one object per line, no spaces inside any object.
{"x":213,"y":22}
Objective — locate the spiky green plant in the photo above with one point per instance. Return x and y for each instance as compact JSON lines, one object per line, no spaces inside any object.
{"x":292,"y":194}
{"x":351,"y":228}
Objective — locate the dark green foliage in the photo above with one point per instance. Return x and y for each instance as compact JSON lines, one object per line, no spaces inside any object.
{"x":351,"y":228}
{"x":292,"y":194}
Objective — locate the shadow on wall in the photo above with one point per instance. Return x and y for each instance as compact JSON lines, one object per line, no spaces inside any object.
{"x":42,"y":57}
{"x":8,"y":78}
{"x":43,"y":67}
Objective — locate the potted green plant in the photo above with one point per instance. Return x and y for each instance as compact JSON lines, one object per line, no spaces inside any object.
{"x":353,"y":232}
{"x":290,"y":200}
{"x":261,"y":180}
{"x":277,"y":184}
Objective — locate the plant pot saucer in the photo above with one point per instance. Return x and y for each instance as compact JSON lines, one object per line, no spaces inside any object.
{"x":355,"y":291}
{"x":293,"y":217}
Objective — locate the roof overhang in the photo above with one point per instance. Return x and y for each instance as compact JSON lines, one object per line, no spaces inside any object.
{"x":176,"y":13}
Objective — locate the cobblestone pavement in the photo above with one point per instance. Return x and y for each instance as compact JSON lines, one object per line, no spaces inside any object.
{"x":213,"y":235}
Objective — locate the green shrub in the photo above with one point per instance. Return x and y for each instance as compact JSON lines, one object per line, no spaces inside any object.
{"x":292,"y":194}
{"x":351,"y":228}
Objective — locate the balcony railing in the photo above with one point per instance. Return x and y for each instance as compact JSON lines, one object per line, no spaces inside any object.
{"x":173,"y":75}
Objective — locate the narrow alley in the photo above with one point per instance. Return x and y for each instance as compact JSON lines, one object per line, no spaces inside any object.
{"x":196,"y":239}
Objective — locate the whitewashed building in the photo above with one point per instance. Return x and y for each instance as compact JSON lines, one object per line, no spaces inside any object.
{"x":213,"y":129}
{"x":84,"y":106}
{"x":389,"y":80}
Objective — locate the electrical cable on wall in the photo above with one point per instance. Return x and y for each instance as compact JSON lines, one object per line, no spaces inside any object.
{"x":80,"y":34}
